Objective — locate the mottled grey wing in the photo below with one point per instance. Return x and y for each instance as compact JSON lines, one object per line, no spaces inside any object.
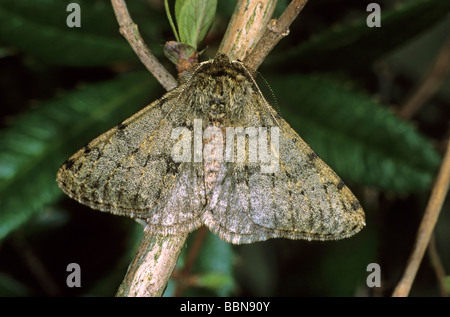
{"x":129,"y":171}
{"x":305,"y":199}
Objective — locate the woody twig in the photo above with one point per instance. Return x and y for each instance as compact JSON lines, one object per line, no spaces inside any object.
{"x":242,"y":36}
{"x":130,"y":31}
{"x":275,"y":31}
{"x":426,"y":228}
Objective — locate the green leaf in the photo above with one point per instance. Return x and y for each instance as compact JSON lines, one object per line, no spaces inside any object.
{"x":364,"y":44}
{"x":178,"y":5}
{"x":194,"y":18}
{"x":38,"y":142}
{"x":362,"y":141}
{"x":169,"y":17}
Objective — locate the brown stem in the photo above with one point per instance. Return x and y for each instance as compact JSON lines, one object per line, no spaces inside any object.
{"x":148,"y":274}
{"x":275,"y":31}
{"x":130,"y":31}
{"x":246,"y":27}
{"x":429,"y":220}
{"x":437,"y":266}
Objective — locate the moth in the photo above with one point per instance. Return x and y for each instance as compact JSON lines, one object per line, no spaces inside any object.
{"x":190,"y":159}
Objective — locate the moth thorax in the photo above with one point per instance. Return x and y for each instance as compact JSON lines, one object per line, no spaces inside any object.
{"x":220,"y":97}
{"x":217,"y":107}
{"x":217,"y":110}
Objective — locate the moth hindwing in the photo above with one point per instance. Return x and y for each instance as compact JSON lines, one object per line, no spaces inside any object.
{"x":212,"y":151}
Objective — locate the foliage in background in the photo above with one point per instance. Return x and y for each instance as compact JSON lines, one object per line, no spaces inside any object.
{"x":401,"y":22}
{"x":39,"y":28}
{"x":333,"y":109}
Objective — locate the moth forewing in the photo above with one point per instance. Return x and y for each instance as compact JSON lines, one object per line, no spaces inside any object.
{"x":129,"y":170}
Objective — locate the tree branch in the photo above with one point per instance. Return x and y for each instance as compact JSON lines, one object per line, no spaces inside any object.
{"x":246,"y":27}
{"x":437,"y":266}
{"x":429,"y":220}
{"x":130,"y":31}
{"x":148,"y":274}
{"x":276,"y":30}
